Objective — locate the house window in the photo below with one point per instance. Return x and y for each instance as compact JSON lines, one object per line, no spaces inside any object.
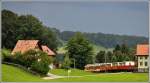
{"x":145,"y":63}
{"x":140,"y":57}
{"x":145,"y":57}
{"x":141,"y":63}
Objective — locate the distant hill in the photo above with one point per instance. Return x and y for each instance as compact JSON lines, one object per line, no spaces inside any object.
{"x":105,"y":40}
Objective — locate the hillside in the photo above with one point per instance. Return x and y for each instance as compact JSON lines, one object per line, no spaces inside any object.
{"x":13,"y":74}
{"x":104,"y":40}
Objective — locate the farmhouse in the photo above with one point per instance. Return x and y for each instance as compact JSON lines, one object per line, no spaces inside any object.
{"x":142,"y":53}
{"x":25,"y":45}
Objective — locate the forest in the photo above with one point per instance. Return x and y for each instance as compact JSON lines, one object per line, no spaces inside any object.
{"x":105,"y":40}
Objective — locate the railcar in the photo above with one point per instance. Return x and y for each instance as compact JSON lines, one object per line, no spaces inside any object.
{"x":111,"y":67}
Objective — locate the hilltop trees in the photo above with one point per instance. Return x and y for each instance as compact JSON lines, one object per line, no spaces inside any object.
{"x":15,"y":27}
{"x":100,"y":57}
{"x":79,"y":49}
{"x":119,"y":54}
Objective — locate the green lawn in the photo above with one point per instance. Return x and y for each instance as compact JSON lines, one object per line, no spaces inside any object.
{"x":125,"y":77}
{"x":74,"y":72}
{"x":14,"y":74}
{"x":11,"y":73}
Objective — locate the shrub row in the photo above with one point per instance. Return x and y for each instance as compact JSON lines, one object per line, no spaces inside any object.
{"x":37,"y":61}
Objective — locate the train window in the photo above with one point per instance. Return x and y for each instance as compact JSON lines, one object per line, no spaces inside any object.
{"x":141,"y":63}
{"x":145,"y":63}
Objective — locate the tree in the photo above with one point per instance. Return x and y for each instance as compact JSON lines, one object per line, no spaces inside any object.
{"x":16,"y":27}
{"x":66,"y":62}
{"x":114,"y":58}
{"x":117,"y":48}
{"x":109,"y":56}
{"x":124,"y":49}
{"x":9,"y":28}
{"x":80,"y":49}
{"x":100,"y":57}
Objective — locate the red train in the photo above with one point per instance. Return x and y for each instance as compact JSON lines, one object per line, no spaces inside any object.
{"x":111,"y":67}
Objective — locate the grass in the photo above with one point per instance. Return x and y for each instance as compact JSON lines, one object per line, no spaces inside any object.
{"x":74,"y":72}
{"x":14,"y":74}
{"x":124,"y":77}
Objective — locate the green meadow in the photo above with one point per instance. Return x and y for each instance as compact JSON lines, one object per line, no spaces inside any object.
{"x":15,"y":74}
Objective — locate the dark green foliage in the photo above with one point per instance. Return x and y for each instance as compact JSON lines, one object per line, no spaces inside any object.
{"x":9,"y":26}
{"x":66,"y":62}
{"x":105,"y":40}
{"x":100,"y":57}
{"x":114,"y":58}
{"x":6,"y":56}
{"x":79,"y":48}
{"x":124,"y":48}
{"x":16,"y":27}
{"x":36,"y":60}
{"x":109,"y":56}
{"x":117,"y":48}
{"x":40,"y":67}
{"x":124,"y":53}
{"x":119,"y":54}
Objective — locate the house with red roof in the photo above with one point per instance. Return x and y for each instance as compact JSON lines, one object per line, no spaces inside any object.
{"x":142,"y":53}
{"x":25,"y":45}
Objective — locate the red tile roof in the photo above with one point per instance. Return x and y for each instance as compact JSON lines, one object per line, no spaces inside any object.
{"x":47,"y":50}
{"x":142,"y":49}
{"x":25,"y":45}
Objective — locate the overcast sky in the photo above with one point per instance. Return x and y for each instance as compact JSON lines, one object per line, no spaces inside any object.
{"x":129,"y":18}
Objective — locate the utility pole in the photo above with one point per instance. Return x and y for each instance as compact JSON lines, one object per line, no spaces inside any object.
{"x":105,"y":59}
{"x":74,"y":62}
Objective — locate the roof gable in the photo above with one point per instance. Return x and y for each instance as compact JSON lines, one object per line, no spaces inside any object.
{"x":25,"y":45}
{"x":142,"y":49}
{"x":47,"y":50}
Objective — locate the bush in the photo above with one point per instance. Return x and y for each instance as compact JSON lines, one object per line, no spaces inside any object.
{"x":42,"y":64}
{"x":6,"y":55}
{"x":38,"y":61}
{"x":40,"y":67}
{"x":18,"y":59}
{"x":29,"y":57}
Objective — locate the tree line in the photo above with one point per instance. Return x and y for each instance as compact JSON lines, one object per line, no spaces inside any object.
{"x":24,"y":27}
{"x":105,"y":40}
{"x":120,"y":53}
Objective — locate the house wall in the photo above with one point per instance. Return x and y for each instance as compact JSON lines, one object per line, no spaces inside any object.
{"x":142,"y":63}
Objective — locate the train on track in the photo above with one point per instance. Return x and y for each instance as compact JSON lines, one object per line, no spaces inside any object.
{"x":112,"y":67}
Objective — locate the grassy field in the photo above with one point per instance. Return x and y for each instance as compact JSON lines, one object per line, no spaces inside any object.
{"x":74,"y":72}
{"x":14,"y":74}
{"x":11,"y":73}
